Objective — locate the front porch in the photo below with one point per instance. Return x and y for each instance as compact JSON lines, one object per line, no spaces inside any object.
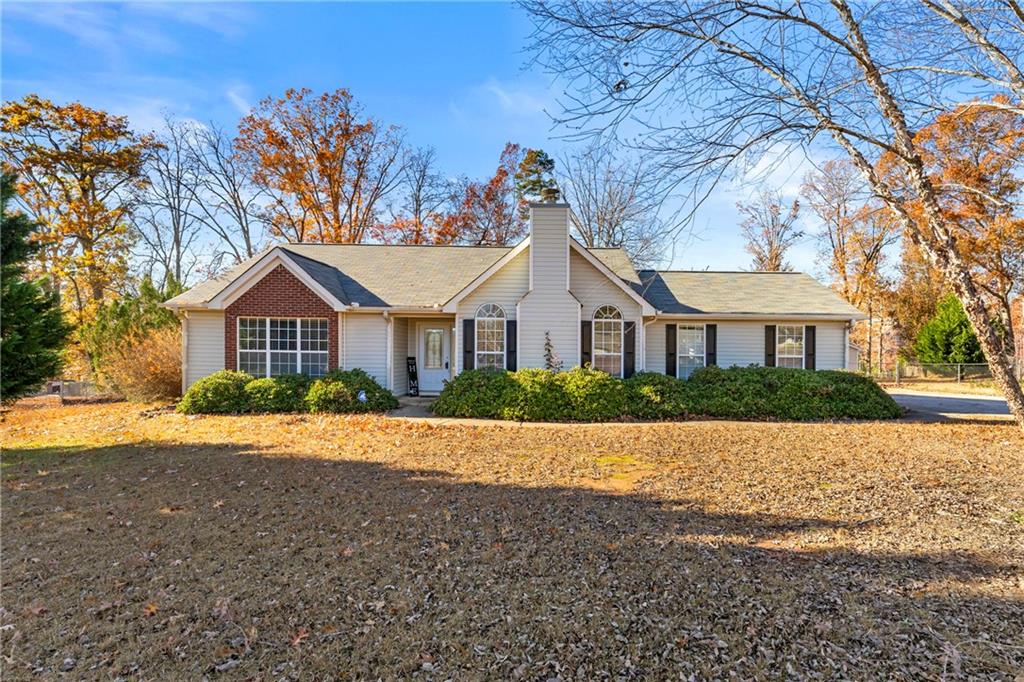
{"x":421,"y":352}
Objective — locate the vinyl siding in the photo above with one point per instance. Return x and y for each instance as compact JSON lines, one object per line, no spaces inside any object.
{"x":549,"y":308}
{"x":505,"y":287}
{"x":400,"y":346}
{"x":741,"y":343}
{"x":366,"y":342}
{"x":205,"y":344}
{"x":593,"y":290}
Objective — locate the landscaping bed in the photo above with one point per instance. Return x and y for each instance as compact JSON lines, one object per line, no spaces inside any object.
{"x":586,"y":395}
{"x":150,"y":544}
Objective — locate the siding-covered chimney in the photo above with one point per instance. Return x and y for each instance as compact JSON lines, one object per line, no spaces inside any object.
{"x":549,"y":309}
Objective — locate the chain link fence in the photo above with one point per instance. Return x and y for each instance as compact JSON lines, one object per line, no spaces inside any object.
{"x":960,"y":373}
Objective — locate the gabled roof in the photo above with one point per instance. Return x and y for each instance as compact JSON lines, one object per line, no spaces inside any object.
{"x":751,"y":294}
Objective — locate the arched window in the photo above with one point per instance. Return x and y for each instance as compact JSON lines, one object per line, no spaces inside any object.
{"x":490,"y":337}
{"x":607,"y":351}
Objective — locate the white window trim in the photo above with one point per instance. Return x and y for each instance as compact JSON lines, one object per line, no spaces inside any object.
{"x":803,"y":345}
{"x":703,"y":344}
{"x":622,"y":339}
{"x":476,"y":336}
{"x":298,"y":342}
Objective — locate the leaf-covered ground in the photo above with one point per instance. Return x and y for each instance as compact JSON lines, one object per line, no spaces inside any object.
{"x":151,"y":545}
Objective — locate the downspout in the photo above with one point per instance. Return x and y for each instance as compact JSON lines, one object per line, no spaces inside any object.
{"x":184,"y":351}
{"x":388,"y":349}
{"x":846,"y":345}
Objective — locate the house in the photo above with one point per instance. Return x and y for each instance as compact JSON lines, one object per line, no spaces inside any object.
{"x":432,"y":311}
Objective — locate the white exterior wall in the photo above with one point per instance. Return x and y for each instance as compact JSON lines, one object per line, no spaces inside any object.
{"x":366,"y":344}
{"x":204,"y":345}
{"x":400,"y":351}
{"x":741,"y":343}
{"x":593,"y":290}
{"x":549,"y":308}
{"x":505,"y":287}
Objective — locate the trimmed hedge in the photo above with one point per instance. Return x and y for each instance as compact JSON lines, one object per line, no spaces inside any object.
{"x":219,"y":393}
{"x":350,"y":390}
{"x":588,"y":395}
{"x":228,"y":392}
{"x":285,"y":393}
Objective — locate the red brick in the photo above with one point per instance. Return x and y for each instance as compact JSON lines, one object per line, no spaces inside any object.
{"x":278,"y":294}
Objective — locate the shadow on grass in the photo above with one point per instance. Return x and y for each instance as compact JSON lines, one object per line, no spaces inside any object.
{"x":175,"y":561}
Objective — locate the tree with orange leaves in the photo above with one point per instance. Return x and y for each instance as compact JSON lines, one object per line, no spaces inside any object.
{"x":326,"y":166}
{"x":975,"y":157}
{"x":80,"y":175}
{"x":489,"y":212}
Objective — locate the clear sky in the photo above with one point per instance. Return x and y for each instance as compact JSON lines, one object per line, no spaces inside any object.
{"x":455,"y":76}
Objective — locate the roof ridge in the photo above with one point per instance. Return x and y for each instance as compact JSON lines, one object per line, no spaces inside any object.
{"x":424,"y":246}
{"x":732,"y":272}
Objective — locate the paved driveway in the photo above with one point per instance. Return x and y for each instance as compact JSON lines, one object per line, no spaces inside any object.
{"x":941,"y":406}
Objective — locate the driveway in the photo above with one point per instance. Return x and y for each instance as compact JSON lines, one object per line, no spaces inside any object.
{"x":942,"y":406}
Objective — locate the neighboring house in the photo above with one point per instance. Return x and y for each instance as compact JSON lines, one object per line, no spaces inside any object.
{"x":311,"y":308}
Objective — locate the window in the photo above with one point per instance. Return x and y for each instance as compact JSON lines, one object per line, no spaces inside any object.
{"x":433,"y":342}
{"x":789,"y":346}
{"x":273,"y":346}
{"x":608,"y":340}
{"x":490,"y":337}
{"x":689,"y":348}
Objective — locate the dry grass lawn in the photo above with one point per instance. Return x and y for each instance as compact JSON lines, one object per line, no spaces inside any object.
{"x":150,"y":545}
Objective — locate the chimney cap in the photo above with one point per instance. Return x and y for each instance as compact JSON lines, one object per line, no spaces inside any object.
{"x":549,"y":195}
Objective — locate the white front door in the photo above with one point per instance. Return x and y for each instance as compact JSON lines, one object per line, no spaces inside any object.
{"x":433,"y":360}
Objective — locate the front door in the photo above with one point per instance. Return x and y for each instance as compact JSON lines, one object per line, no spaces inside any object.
{"x":433,"y":359}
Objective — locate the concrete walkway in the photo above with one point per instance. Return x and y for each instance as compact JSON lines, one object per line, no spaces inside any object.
{"x":923,"y":406}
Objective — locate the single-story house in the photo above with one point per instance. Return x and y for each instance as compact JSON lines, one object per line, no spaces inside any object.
{"x":421,"y":314}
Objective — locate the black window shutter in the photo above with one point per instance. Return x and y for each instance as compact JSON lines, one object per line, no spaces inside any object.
{"x":810,"y":341}
{"x":769,"y":345}
{"x":468,"y":343}
{"x":629,"y":351}
{"x":710,"y":344}
{"x":510,"y":345}
{"x":585,"y":342}
{"x":670,"y":350}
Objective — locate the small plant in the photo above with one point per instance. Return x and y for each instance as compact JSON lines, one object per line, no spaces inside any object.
{"x":285,"y":393}
{"x":350,"y":390}
{"x":222,"y":392}
{"x":551,"y":360}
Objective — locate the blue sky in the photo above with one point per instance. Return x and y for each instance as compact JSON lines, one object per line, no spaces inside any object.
{"x":453,"y":75}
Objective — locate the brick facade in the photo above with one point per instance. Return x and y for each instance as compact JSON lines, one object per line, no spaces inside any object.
{"x":278,"y":294}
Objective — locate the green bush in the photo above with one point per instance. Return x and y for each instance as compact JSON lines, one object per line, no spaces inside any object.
{"x":219,"y":393}
{"x":481,"y":393}
{"x":655,"y":396}
{"x":733,"y":393}
{"x":350,"y":390}
{"x":285,"y":393}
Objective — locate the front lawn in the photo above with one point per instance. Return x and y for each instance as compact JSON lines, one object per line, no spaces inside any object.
{"x":149,"y":544}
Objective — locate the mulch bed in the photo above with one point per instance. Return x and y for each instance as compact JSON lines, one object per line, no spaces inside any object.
{"x":146,"y":544}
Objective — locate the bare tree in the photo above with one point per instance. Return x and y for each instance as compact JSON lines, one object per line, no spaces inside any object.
{"x":165,"y":222}
{"x":422,"y":200}
{"x":226,"y":201}
{"x":712,"y":83}
{"x":616,"y":200}
{"x":769,"y":229}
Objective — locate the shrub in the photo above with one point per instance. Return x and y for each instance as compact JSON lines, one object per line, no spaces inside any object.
{"x":481,"y":393}
{"x":593,"y":395}
{"x":733,"y":393}
{"x":655,"y":396}
{"x":222,"y":392}
{"x":350,"y":390}
{"x":146,"y":367}
{"x":285,"y":393}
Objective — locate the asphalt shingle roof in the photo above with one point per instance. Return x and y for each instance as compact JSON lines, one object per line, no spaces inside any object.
{"x":376,"y":275}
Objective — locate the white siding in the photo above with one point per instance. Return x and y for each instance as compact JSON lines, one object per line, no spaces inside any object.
{"x":741,"y":343}
{"x":505,"y":287}
{"x":400,"y":341}
{"x":549,"y":309}
{"x":205,"y":345}
{"x":593,"y":290}
{"x":366,"y":340}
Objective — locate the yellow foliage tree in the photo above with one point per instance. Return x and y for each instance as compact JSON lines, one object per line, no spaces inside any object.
{"x":80,"y":171}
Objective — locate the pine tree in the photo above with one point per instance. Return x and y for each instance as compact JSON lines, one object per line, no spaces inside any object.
{"x":535,"y":173}
{"x":32,"y":327}
{"x":948,"y":336}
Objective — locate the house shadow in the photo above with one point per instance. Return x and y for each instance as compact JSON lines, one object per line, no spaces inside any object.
{"x":187,"y":560}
